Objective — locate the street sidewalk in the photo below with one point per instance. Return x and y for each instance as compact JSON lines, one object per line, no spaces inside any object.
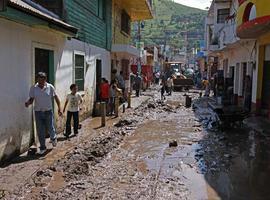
{"x":21,"y":169}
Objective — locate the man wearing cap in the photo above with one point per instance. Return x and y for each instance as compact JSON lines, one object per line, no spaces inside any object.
{"x":43,"y":93}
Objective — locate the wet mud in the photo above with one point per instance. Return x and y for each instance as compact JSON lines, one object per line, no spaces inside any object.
{"x":161,"y":150}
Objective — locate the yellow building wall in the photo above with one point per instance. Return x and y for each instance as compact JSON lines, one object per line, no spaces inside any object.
{"x":262,"y":9}
{"x":260,"y":71}
{"x":118,"y":36}
{"x":262,"y":41}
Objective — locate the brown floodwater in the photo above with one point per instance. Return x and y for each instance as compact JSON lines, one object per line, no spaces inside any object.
{"x":205,"y":164}
{"x":212,"y":165}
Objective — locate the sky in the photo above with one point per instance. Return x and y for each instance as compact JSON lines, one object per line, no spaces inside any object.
{"x":202,"y":4}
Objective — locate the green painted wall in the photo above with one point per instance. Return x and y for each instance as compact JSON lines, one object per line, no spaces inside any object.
{"x":93,"y":29}
{"x":21,"y":17}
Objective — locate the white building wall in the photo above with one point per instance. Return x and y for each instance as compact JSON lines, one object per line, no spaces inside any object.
{"x":250,"y":69}
{"x":219,"y":26}
{"x":241,"y":78}
{"x":241,"y":53}
{"x":255,"y":78}
{"x":17,"y":76}
{"x":118,"y":57}
{"x":254,"y":85}
{"x":255,"y":71}
{"x":65,"y":73}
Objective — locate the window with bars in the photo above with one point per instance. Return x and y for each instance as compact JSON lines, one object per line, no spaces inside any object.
{"x":125,"y":22}
{"x":222,"y":15}
{"x":79,"y":70}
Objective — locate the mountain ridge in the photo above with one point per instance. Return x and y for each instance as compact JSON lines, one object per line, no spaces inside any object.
{"x":174,"y":24}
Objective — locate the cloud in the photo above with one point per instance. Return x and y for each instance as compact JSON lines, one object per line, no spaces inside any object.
{"x":202,"y":4}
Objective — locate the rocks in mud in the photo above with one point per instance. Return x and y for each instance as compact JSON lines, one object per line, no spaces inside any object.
{"x":160,"y":102}
{"x":53,"y":168}
{"x":173,"y":144}
{"x":79,"y":164}
{"x":180,"y":105}
{"x":2,"y":194}
{"x":159,"y":106}
{"x":124,"y":122}
{"x":151,"y":105}
{"x":168,"y":108}
{"x":97,"y":154}
{"x":44,"y":173}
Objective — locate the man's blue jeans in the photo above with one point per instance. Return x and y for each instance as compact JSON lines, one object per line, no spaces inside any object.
{"x":45,"y":122}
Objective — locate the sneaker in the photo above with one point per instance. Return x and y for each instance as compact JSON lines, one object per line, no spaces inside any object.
{"x":54,"y":142}
{"x":42,"y":152}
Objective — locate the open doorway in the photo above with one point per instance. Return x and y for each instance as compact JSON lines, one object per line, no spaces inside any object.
{"x":244,"y":75}
{"x":98,"y":78}
{"x":265,"y":106}
{"x":266,"y":86}
{"x":44,"y":62}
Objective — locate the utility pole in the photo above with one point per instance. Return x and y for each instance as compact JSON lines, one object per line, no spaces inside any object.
{"x":140,"y":48}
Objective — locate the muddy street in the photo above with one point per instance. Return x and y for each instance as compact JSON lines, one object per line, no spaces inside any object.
{"x":161,"y":150}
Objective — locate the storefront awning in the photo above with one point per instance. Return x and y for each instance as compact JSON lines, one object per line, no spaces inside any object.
{"x":254,"y":28}
{"x":138,"y":10}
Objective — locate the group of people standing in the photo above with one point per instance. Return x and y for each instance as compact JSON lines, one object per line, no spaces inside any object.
{"x":43,"y":93}
{"x":108,"y":94}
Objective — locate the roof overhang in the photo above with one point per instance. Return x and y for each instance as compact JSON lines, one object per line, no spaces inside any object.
{"x":253,"y":18}
{"x":254,"y":28}
{"x":138,"y":10}
{"x":238,"y":44}
{"x":125,"y":49}
{"x":52,"y":22}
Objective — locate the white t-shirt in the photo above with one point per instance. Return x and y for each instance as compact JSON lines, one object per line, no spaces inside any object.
{"x":73,"y":102}
{"x":43,"y":97}
{"x":170,"y":82}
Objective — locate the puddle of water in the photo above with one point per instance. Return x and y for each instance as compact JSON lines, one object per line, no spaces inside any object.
{"x":199,"y":188}
{"x":234,"y":166}
{"x":247,"y":174}
{"x":150,"y":144}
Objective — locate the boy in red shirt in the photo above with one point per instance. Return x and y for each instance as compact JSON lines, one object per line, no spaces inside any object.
{"x":105,"y":91}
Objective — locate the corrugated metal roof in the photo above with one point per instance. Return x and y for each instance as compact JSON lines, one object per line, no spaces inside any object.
{"x":19,"y":4}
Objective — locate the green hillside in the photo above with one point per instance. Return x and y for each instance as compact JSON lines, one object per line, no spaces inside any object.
{"x":173,"y":23}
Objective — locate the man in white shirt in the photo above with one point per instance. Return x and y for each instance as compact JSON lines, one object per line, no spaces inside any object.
{"x":43,"y":94}
{"x":170,"y":85}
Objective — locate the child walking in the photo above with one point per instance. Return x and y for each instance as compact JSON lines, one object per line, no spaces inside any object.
{"x":162,"y":90}
{"x":73,"y":100}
